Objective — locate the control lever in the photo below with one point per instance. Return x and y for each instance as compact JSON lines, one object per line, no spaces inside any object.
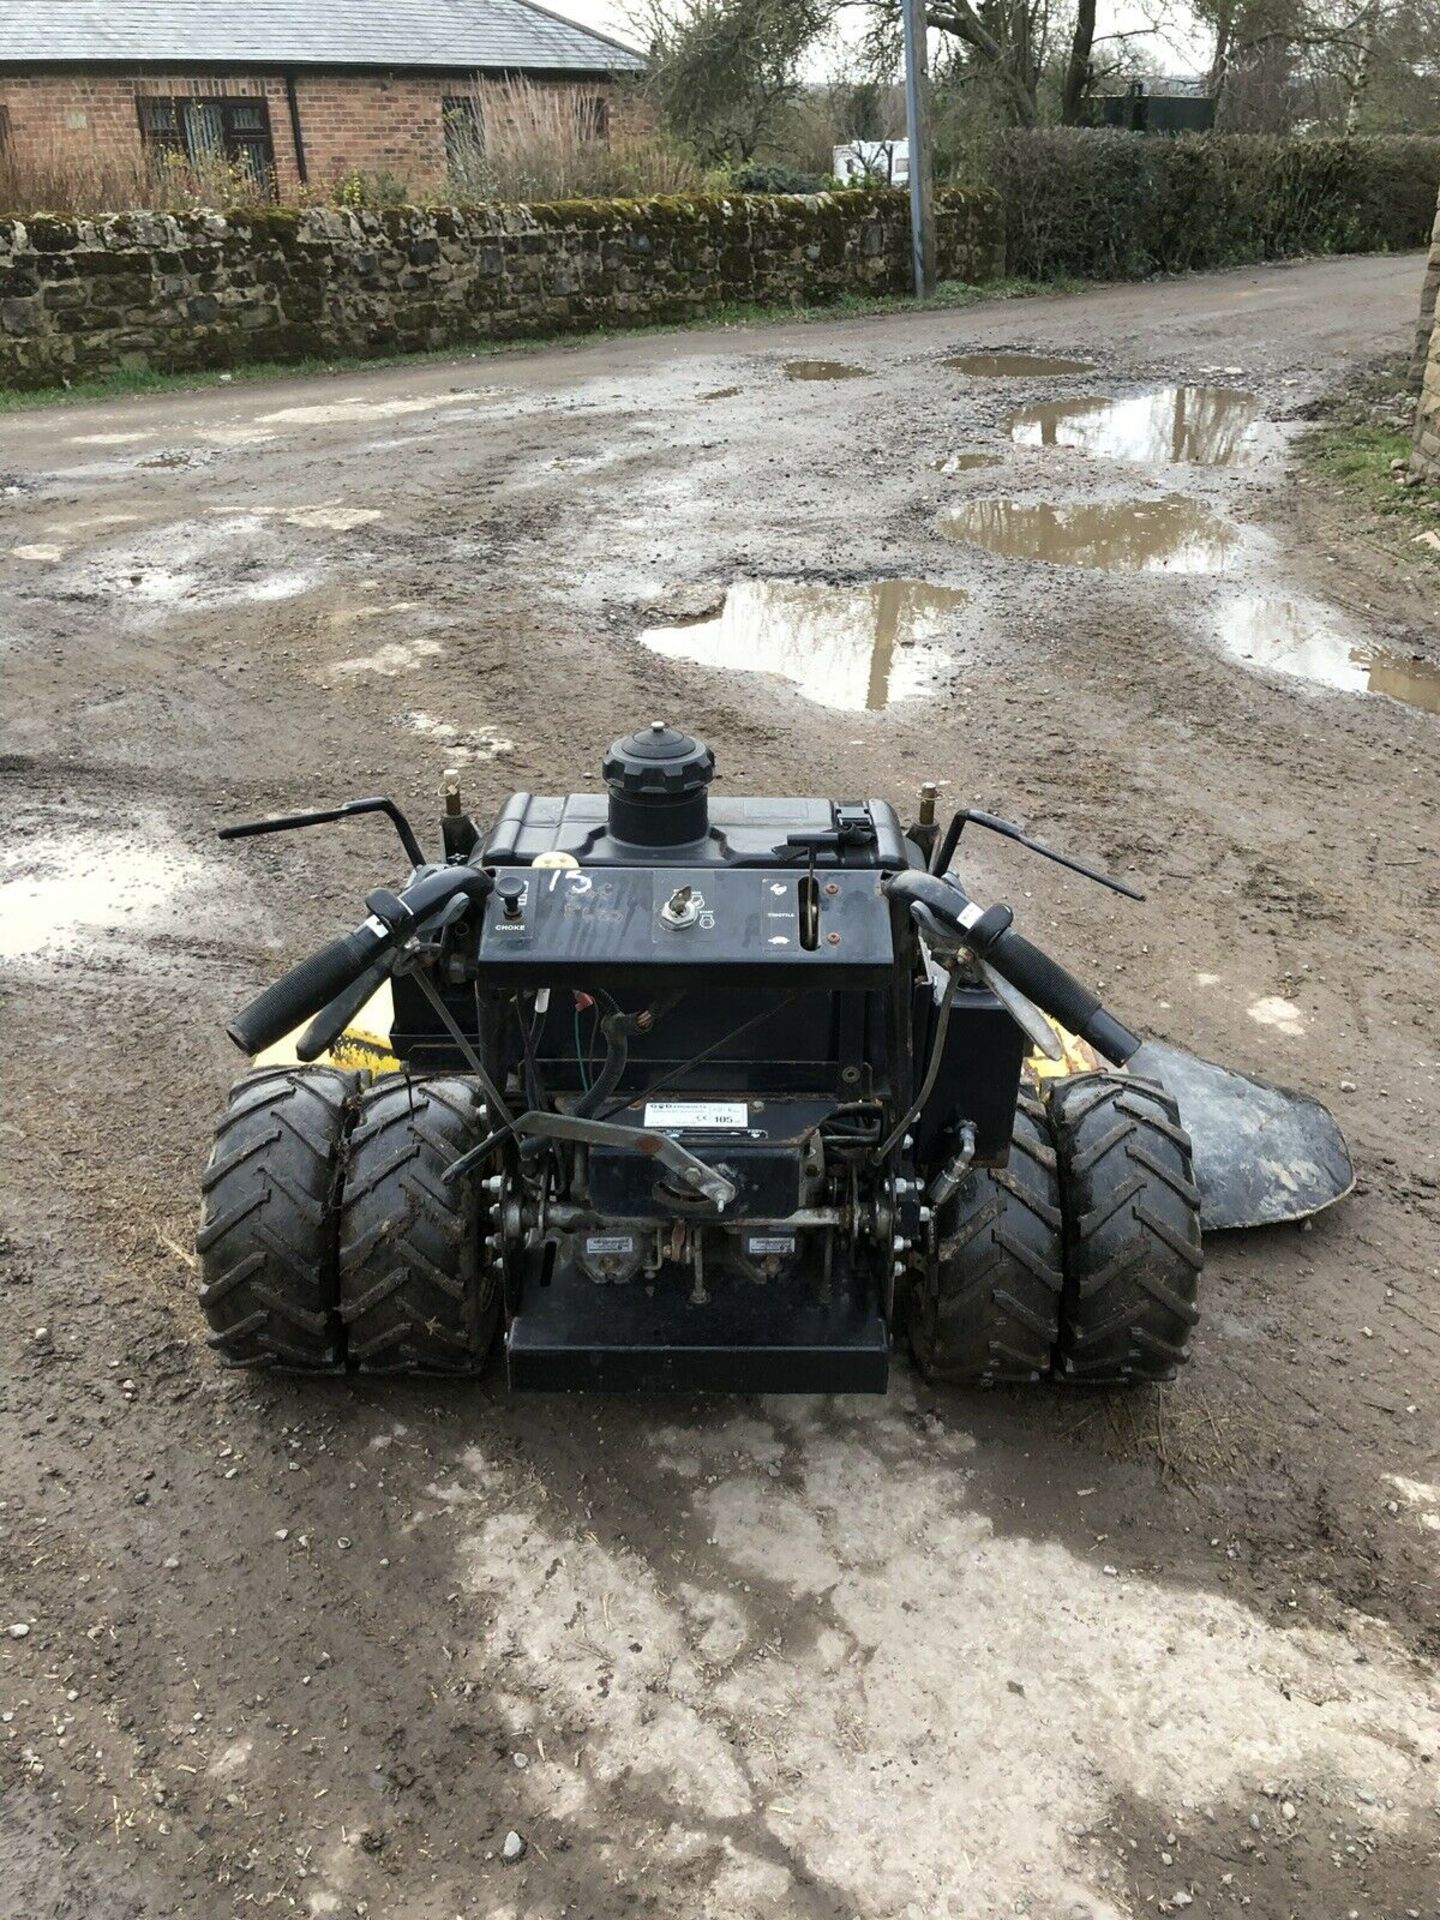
{"x":1026,"y":1015}
{"x":311,"y":987}
{"x":688,"y":1168}
{"x":945,"y":853}
{"x":322,"y":816}
{"x":332,"y":1020}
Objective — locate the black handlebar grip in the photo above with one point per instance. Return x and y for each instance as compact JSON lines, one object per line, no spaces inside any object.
{"x":328,"y":1025}
{"x":1108,"y":1036}
{"x":1038,"y":977}
{"x":307,"y":988}
{"x":1060,"y":994}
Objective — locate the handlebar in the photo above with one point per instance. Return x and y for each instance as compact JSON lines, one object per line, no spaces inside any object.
{"x":311,"y":987}
{"x":332,"y":1020}
{"x":988,"y":933}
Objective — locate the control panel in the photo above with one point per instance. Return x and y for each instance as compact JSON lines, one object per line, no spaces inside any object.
{"x":573,"y":924}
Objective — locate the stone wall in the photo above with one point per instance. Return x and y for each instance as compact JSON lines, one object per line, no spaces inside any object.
{"x":1426,"y":324}
{"x":1425,"y":459}
{"x":178,"y":292}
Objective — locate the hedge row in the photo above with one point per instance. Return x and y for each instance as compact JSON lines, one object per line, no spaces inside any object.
{"x":1117,"y":206}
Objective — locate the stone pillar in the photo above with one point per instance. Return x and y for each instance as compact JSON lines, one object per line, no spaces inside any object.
{"x":1427,"y":310}
{"x":1425,"y":457}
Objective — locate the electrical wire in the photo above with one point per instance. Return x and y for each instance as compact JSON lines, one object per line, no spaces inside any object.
{"x":580,"y":1052}
{"x":699,"y":1059}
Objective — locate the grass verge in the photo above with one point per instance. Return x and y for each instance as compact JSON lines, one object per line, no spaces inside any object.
{"x":950,"y":295}
{"x":1359,"y":436}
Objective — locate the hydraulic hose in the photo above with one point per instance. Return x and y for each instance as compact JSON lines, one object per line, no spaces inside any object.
{"x":617,"y":1028}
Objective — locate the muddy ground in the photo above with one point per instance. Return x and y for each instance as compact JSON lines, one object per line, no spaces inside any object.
{"x":319,"y":1648}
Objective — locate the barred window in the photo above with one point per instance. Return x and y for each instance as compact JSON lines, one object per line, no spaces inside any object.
{"x":464,"y":131}
{"x":593,"y":116}
{"x":233,"y":130}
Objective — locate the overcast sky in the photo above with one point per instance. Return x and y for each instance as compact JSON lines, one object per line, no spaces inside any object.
{"x":1180,"y":51}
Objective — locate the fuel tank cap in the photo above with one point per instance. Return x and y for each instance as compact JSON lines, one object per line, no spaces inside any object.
{"x":658,"y":778}
{"x":659,"y":759}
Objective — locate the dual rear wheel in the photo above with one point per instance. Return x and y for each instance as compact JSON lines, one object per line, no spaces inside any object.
{"x":329,"y":1237}
{"x":1080,"y":1258}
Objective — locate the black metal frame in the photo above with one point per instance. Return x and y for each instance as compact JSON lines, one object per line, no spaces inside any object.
{"x":834,"y":1029}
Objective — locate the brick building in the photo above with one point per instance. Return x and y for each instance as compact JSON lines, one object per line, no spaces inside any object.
{"x":296,"y":92}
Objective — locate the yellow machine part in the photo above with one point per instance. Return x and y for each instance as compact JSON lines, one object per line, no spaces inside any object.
{"x":365,"y":1044}
{"x":1076,"y":1056}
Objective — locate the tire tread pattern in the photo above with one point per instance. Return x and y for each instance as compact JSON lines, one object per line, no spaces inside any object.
{"x":990,"y":1311}
{"x":417,"y":1294}
{"x":1133,"y":1252}
{"x":267,"y":1233}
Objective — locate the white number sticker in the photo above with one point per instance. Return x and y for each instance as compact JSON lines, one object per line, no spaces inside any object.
{"x":697,"y":1113}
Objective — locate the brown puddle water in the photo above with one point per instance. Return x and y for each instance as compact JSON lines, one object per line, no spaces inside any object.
{"x":1119,"y":536}
{"x":1014,"y":366}
{"x":822,"y":370}
{"x":852,"y":648}
{"x":1297,"y":637}
{"x":954,"y":463}
{"x":1196,"y":426}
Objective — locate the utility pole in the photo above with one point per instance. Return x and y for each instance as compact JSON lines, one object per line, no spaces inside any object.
{"x":917,"y":110}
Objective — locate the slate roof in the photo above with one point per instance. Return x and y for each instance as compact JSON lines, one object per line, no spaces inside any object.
{"x":456,"y":35}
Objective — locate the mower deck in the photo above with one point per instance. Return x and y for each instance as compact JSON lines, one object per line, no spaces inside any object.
{"x":570,"y":1334}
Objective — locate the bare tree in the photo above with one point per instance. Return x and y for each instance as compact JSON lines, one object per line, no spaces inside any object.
{"x":1078,"y":68}
{"x":1282,"y":43}
{"x":721,"y":72}
{"x":1003,"y":39}
{"x":1011,"y":45}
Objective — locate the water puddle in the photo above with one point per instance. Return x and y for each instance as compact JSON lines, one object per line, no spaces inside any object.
{"x":822,"y":370}
{"x":1117,"y":536}
{"x":1298,"y":637}
{"x":852,"y":648}
{"x":1194,"y":426}
{"x":720,"y":393}
{"x":69,"y":893}
{"x":1014,"y":366}
{"x":954,"y":463}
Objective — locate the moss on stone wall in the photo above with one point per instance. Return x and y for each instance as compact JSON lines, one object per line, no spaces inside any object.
{"x":79,"y":298}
